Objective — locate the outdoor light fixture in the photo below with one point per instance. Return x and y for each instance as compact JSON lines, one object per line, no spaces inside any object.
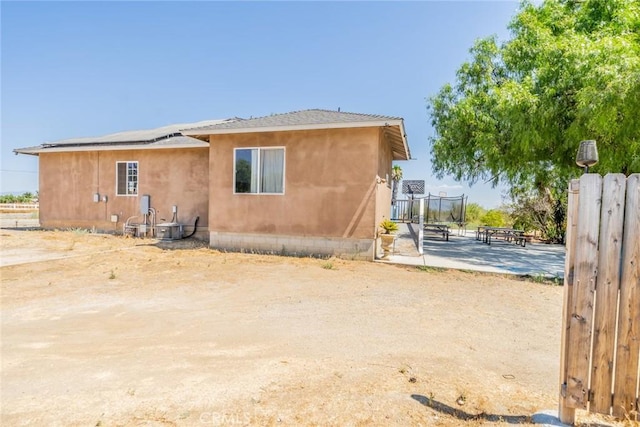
{"x":587,"y":155}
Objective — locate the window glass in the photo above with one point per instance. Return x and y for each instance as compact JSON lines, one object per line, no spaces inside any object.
{"x":259,"y":170}
{"x":126,"y":178}
{"x":271,"y":170}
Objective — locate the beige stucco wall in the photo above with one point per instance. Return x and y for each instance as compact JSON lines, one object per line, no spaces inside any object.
{"x":385,"y":158}
{"x":331,"y":186}
{"x":68,"y":182}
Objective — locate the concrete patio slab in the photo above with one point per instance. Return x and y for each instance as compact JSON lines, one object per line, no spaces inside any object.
{"x":464,"y":252}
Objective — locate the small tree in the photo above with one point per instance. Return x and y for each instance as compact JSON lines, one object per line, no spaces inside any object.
{"x":474,"y":212}
{"x":493,"y":218}
{"x":544,"y":211}
{"x":396,"y":177}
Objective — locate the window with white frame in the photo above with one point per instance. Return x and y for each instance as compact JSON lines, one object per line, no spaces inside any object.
{"x":126,"y":178}
{"x":258,"y":170}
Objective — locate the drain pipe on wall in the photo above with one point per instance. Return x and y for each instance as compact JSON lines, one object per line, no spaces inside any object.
{"x":195,"y":225}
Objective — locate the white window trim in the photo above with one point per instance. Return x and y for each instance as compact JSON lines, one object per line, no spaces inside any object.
{"x":138,"y":178}
{"x":284,"y":170}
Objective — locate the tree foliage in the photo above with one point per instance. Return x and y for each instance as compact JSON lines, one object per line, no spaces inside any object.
{"x":494,"y":218}
{"x":396,"y":177}
{"x":518,"y":110}
{"x":474,"y":212}
{"x":544,"y":211}
{"x":27,"y":197}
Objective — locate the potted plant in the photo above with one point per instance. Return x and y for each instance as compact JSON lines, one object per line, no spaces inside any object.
{"x":387,"y":236}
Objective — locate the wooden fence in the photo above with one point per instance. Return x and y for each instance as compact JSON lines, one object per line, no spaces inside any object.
{"x":19,"y":206}
{"x":599,"y":368}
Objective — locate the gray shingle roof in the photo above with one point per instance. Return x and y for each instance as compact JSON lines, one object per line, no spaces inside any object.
{"x":316,"y":119}
{"x":179,"y":135}
{"x":297,"y":118}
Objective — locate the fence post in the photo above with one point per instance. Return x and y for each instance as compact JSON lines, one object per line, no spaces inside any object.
{"x":628,"y":351}
{"x":565,"y":413}
{"x":606,"y":307}
{"x":583,"y":295}
{"x":421,"y":228}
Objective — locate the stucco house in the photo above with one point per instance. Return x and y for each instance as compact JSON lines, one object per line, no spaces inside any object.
{"x":307,"y":182}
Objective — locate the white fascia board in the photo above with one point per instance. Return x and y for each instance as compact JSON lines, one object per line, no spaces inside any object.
{"x":403,"y":134}
{"x":108,"y":148}
{"x":284,"y":128}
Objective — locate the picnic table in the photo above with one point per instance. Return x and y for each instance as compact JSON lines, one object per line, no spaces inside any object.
{"x":486,"y":233}
{"x":443,"y":229}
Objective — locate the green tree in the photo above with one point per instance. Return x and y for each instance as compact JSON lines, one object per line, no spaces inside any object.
{"x":544,"y":211}
{"x":396,"y":177}
{"x":474,"y":212}
{"x":493,"y":218}
{"x":518,"y":110}
{"x":26,"y":197}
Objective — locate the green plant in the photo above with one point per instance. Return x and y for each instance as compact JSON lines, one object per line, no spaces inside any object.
{"x":10,"y":198}
{"x":544,"y":279}
{"x":538,"y":278}
{"x":396,"y":177}
{"x":388,"y":226}
{"x":474,"y":212}
{"x":112,"y":275}
{"x":428,"y":268}
{"x":328,"y":265}
{"x":493,"y":218}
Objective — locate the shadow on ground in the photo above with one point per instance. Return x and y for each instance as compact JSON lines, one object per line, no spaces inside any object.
{"x":465,"y":416}
{"x":536,"y":258}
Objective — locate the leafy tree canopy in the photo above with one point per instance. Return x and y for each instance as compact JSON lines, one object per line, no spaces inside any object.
{"x":24,"y":198}
{"x":474,"y":212}
{"x":493,"y":218}
{"x":518,"y":110}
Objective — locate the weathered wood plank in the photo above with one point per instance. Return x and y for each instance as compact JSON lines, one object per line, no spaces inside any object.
{"x":565,"y":413}
{"x":628,"y":347}
{"x":583,"y":295}
{"x":608,"y":283}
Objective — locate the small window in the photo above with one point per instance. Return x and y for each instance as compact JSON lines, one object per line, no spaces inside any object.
{"x":259,"y":170}
{"x":126,"y":178}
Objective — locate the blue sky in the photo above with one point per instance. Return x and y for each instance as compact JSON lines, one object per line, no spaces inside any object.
{"x":74,"y":69}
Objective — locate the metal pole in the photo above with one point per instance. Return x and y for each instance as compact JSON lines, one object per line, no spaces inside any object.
{"x":421,"y":228}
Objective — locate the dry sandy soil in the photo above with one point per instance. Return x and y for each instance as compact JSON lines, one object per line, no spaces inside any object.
{"x":100,"y":330}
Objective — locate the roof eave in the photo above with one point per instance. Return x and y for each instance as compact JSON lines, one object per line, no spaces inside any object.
{"x":405,"y":143}
{"x":284,"y":128}
{"x":29,"y":151}
{"x":67,"y":149}
{"x":398,"y":141}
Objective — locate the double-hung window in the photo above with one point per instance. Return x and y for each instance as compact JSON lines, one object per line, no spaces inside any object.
{"x":259,"y":170}
{"x":126,"y":178}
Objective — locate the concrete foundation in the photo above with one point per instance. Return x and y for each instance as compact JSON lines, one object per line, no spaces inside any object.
{"x":361,"y":249}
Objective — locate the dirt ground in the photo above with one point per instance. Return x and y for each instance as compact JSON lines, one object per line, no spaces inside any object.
{"x":99,"y":330}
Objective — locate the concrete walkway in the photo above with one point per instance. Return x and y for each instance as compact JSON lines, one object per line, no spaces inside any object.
{"x":467,"y":253}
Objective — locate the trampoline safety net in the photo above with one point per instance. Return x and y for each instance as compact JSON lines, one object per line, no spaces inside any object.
{"x":437,"y":209}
